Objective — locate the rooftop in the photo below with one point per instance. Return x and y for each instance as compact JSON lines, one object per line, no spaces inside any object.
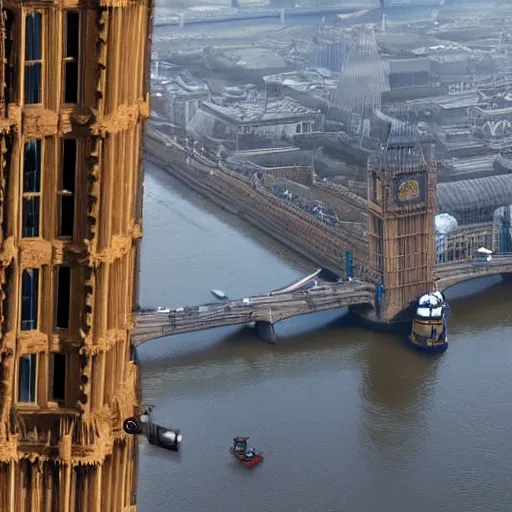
{"x":473,"y":165}
{"x":421,"y":65}
{"x":185,"y":85}
{"x":305,"y":81}
{"x":463,"y":100}
{"x":279,"y":110}
{"x":443,"y":49}
{"x":460,"y":196}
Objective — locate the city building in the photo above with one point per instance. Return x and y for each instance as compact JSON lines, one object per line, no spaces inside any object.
{"x":258,"y":124}
{"x":76,"y":95}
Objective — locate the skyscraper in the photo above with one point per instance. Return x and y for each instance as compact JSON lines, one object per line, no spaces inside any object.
{"x":76,"y":94}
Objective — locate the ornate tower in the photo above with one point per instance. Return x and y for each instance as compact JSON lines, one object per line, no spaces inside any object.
{"x":76,"y":94}
{"x":402,"y":206}
{"x":364,"y":77}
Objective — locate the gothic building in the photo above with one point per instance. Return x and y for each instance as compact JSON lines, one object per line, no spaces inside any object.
{"x":75,"y":96}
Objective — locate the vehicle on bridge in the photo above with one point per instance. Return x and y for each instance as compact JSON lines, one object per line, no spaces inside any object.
{"x":429,"y":326}
{"x":249,"y":458}
{"x":482,"y":256}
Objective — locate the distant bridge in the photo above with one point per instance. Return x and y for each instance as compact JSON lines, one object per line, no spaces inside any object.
{"x":308,"y":295}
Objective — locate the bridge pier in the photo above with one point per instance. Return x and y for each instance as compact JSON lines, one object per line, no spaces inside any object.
{"x":265,"y":331}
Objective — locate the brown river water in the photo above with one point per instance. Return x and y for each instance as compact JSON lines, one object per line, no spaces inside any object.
{"x":350,"y":420}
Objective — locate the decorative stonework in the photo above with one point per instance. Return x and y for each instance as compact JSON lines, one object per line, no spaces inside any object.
{"x":38,"y":122}
{"x":126,"y":117}
{"x":35,"y":253}
{"x":86,"y":428}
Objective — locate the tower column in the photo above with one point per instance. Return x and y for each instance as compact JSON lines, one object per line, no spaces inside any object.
{"x":74,"y":106}
{"x":401,"y":210}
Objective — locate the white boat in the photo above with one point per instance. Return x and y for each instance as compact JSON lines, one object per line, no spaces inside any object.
{"x":429,"y":326}
{"x":219,"y":294}
{"x":430,"y":305}
{"x":161,"y":309}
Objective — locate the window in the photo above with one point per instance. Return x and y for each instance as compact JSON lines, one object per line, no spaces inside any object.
{"x":31,"y":188}
{"x":10,"y":56}
{"x":63,"y":297}
{"x":27,"y":378}
{"x":7,"y":295}
{"x":71,"y":49}
{"x":29,"y":299}
{"x":33,"y":57}
{"x":378,"y":248}
{"x":67,"y":188}
{"x":26,"y":471}
{"x":58,"y":393}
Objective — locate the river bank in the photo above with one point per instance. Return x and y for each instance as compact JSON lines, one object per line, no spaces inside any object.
{"x":287,"y":224}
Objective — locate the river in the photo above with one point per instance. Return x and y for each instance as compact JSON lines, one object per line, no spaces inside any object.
{"x":350,"y":420}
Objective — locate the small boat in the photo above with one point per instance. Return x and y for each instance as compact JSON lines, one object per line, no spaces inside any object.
{"x":430,"y":326}
{"x":219,"y":294}
{"x":161,"y":309}
{"x":249,"y":458}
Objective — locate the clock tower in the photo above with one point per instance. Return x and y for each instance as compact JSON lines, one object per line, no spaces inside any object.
{"x":401,"y":210}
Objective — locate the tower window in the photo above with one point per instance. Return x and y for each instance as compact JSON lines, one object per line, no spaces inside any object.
{"x":33,"y":57}
{"x":71,"y":51}
{"x":31,"y":188}
{"x":58,"y":393}
{"x":27,"y":378}
{"x":67,"y":187}
{"x":7,"y":289}
{"x":10,"y":65}
{"x":29,"y":299}
{"x":63,"y":297}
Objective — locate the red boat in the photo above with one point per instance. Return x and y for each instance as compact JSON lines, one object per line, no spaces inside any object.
{"x":249,"y":458}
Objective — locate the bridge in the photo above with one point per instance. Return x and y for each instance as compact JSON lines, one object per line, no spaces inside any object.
{"x":387,"y":240}
{"x":454,"y":272}
{"x":308,"y":295}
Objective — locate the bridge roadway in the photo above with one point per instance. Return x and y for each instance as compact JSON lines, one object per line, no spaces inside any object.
{"x":453,"y":272}
{"x":308,"y":295}
{"x":264,"y":310}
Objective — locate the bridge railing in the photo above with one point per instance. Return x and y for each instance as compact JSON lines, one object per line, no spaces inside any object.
{"x":496,"y":260}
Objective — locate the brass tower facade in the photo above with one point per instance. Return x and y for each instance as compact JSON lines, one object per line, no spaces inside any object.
{"x":73,"y":105}
{"x":401,"y":209}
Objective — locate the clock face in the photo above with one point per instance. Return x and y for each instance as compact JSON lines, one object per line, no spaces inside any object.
{"x":409,"y":190}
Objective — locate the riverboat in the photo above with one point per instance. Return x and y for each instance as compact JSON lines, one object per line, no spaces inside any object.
{"x":219,"y":294}
{"x":249,"y":458}
{"x":429,"y":326}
